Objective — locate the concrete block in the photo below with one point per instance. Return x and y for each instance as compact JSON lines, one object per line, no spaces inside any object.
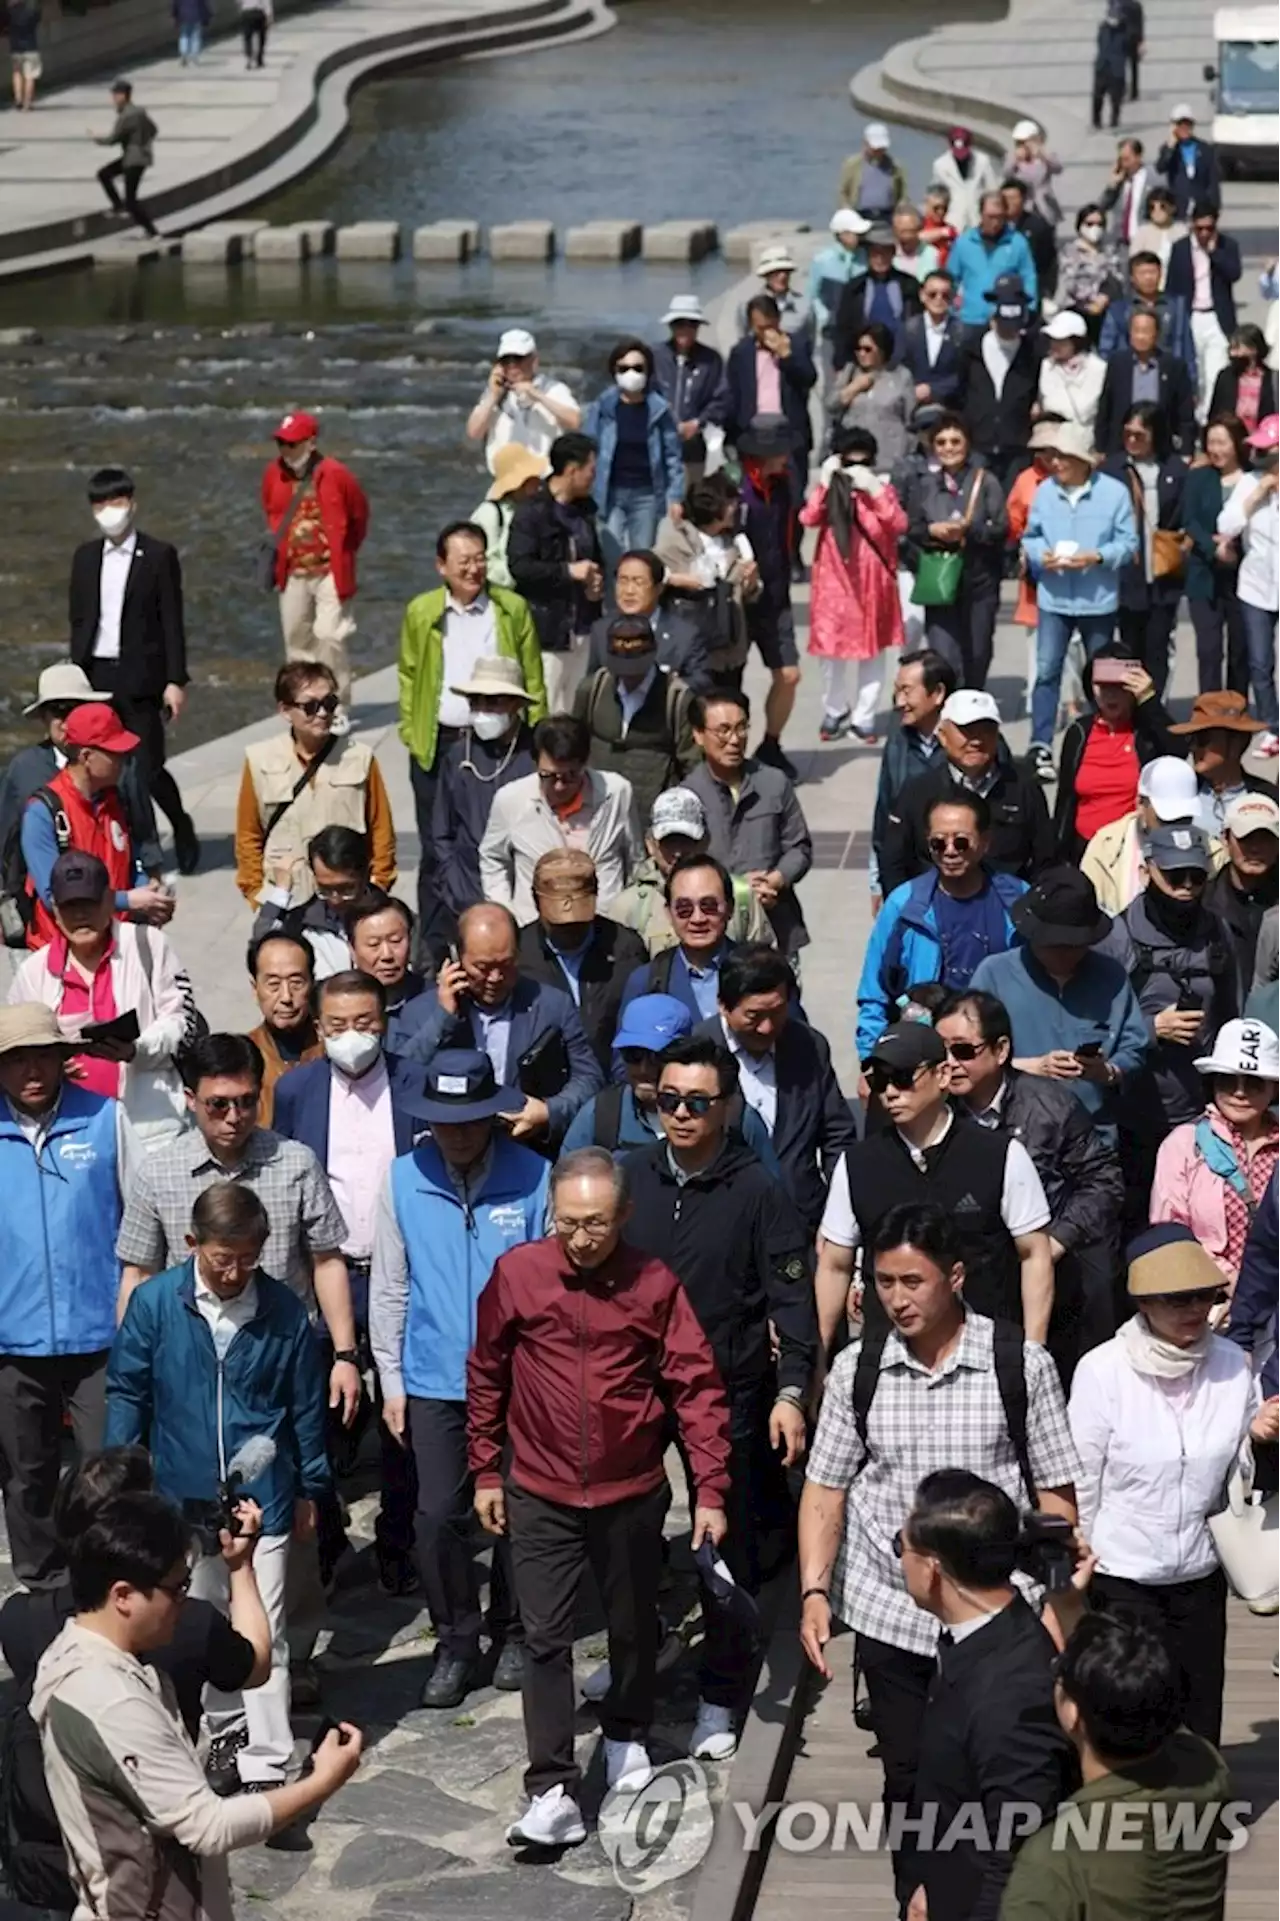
{"x":280,"y":243}
{"x":127,"y":252}
{"x":523,"y":240}
{"x":741,"y":244}
{"x":603,"y":240}
{"x":680,"y":240}
{"x":319,"y":235}
{"x":20,"y":337}
{"x":211,"y":247}
{"x":445,"y":242}
{"x":470,"y":231}
{"x":369,"y":240}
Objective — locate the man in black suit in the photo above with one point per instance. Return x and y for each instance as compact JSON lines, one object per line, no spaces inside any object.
{"x":990,"y":1739}
{"x":747,"y":370}
{"x":1190,"y":165}
{"x":572,"y":947}
{"x":999,"y":420}
{"x":933,"y":344}
{"x":127,"y":634}
{"x":882,"y":293}
{"x":1143,"y":371}
{"x":1036,"y":231}
{"x":784,"y":1073}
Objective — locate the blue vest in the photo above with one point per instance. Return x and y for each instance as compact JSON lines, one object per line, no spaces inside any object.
{"x":451,"y":1253}
{"x":59,"y":1276}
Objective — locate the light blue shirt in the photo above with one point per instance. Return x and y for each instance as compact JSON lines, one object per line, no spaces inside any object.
{"x":1099,"y":520}
{"x":491,"y":1027}
{"x":571,"y":959}
{"x":632,"y":699}
{"x":705,"y":985}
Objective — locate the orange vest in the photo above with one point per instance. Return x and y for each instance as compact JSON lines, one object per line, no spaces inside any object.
{"x":102,"y":830}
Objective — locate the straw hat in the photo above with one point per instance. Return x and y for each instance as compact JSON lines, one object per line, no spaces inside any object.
{"x":512,"y":466}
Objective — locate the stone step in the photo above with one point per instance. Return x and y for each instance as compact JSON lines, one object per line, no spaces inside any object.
{"x":740,"y":245}
{"x":447,"y":240}
{"x":523,"y":240}
{"x":603,"y":240}
{"x":680,"y":240}
{"x":368,"y":240}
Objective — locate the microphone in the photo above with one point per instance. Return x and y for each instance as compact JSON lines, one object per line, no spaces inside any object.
{"x":249,"y":1461}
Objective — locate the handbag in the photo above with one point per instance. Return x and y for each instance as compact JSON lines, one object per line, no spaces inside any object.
{"x":939,"y":570}
{"x":1169,"y":545}
{"x":1245,"y":1539}
{"x":269,"y":548}
{"x":544,"y":1069}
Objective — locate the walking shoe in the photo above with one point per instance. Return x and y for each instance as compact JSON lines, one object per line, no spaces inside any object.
{"x":714,"y":1737}
{"x":835,"y":726}
{"x":600,"y":1680}
{"x":770,"y":752}
{"x":865,"y":736}
{"x":508,"y":1675}
{"x":1040,"y":761}
{"x":551,"y":1820}
{"x":221,"y":1766}
{"x":450,"y":1682}
{"x":627,"y":1765}
{"x":1268,"y":746}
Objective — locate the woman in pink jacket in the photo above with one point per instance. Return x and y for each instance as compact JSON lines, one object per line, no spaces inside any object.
{"x":854,"y":611}
{"x":1212,"y":1173}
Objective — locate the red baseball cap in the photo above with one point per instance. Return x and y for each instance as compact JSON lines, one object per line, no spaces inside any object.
{"x":296,"y":427}
{"x":98,"y":726}
{"x":1266,"y":435}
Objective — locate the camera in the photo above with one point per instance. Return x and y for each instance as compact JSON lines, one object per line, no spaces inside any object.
{"x":1046,"y":1550}
{"x":210,"y":1519}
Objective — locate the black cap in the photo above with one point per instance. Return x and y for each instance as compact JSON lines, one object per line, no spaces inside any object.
{"x":631,"y":647}
{"x":122,"y":86}
{"x":1009,"y":298}
{"x":909,"y":1044}
{"x":1061,"y":910}
{"x":108,"y":483}
{"x":77,"y":876}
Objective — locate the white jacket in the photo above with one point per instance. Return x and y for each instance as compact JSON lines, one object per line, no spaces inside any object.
{"x":1152,"y":1468}
{"x":522,"y":827}
{"x":966,"y":195}
{"x":1257,"y":583}
{"x":1075,"y":399}
{"x":151,"y":1090}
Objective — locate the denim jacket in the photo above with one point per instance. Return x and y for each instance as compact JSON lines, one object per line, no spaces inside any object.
{"x":666,"y":461}
{"x":1100,"y":521}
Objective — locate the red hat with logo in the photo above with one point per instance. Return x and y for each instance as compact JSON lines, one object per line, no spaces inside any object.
{"x":296,"y":427}
{"x":98,"y":726}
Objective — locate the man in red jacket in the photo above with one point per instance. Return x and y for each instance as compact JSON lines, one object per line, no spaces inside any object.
{"x":578,"y":1340}
{"x":317,"y":511}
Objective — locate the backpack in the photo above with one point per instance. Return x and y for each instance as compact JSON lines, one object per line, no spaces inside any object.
{"x":1010,"y":1378}
{"x":608,"y":1117}
{"x":17,"y":906}
{"x":31,"y":1851}
{"x":602,"y":680}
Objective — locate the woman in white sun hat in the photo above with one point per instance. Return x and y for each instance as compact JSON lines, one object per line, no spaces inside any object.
{"x":1212,"y":1173}
{"x":1028,"y":161}
{"x":1071,"y":374}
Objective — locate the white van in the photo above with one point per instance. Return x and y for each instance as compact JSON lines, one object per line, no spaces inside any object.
{"x":1246,"y":119}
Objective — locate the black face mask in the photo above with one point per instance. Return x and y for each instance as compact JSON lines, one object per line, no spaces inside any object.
{"x":1178,"y":919}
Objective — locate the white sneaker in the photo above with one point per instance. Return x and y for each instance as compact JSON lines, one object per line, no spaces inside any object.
{"x":713,"y":1737}
{"x":1268,"y":746}
{"x":551,"y":1820}
{"x":627,"y":1765}
{"x":597,"y":1683}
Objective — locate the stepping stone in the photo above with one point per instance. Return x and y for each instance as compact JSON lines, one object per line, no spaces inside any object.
{"x":603,"y":240}
{"x":129,"y":252}
{"x":319,"y":235}
{"x":450,"y":241}
{"x":532,"y":1894}
{"x":522,"y":240}
{"x":741,"y":245}
{"x":680,"y":240}
{"x":397,"y":1802}
{"x":19,"y":337}
{"x":369,"y":240}
{"x":281,"y":243}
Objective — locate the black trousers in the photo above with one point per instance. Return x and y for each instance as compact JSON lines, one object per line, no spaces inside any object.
{"x":130,"y":177}
{"x":144,"y":716}
{"x":397,"y":1481}
{"x":1215,"y":620}
{"x":1108,"y":87}
{"x":253,"y":31}
{"x":444,"y":1526}
{"x":436,"y":923}
{"x":1149,"y":632}
{"x":897,"y":1687}
{"x":1134,"y":63}
{"x":963,"y":633}
{"x":35,"y":1392}
{"x":1191,"y":1617}
{"x":550,"y":1546}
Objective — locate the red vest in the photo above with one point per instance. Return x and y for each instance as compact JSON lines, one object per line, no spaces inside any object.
{"x":102,"y":830}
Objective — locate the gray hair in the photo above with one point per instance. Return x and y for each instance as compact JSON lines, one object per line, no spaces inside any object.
{"x":589,"y":1163}
{"x":229,"y":1211}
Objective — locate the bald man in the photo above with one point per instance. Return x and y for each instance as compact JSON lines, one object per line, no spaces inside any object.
{"x":529,"y":1030}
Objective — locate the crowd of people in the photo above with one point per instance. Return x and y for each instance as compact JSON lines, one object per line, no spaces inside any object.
{"x":551,"y":1168}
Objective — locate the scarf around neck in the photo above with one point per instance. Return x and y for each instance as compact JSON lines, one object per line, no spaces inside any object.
{"x":1147,"y":1353}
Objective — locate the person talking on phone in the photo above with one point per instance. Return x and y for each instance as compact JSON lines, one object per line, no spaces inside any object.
{"x":464,"y":1195}
{"x":530,"y":1031}
{"x":1105,"y":750}
{"x":519,"y":405}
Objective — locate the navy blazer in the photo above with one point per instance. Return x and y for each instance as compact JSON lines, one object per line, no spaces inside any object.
{"x":945,"y":379}
{"x":699,"y":385}
{"x":1224,"y":271}
{"x":1177,"y":402}
{"x":535,"y":1009}
{"x":302,"y":1105}
{"x":1189,"y":190}
{"x":797,"y":377}
{"x":813,"y":1124}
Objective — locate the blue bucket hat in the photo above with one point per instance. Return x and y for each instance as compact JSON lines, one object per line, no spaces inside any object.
{"x":459,"y":1086}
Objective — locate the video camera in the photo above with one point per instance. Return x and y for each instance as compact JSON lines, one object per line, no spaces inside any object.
{"x":211,"y":1519}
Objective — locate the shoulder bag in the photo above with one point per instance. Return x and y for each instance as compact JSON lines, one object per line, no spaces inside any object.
{"x":939,"y":570}
{"x":1245,"y":1537}
{"x":1169,"y":545}
{"x":270,"y":548}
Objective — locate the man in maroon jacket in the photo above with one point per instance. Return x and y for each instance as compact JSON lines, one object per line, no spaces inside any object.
{"x":318,"y":517}
{"x":578,"y":1339}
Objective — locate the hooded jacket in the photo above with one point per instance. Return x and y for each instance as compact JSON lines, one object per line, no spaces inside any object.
{"x":144,"y":1831}
{"x":905,"y":947}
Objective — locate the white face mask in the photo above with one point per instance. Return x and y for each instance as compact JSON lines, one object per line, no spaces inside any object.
{"x":631,"y":380}
{"x":489,"y":726}
{"x":353,"y":1053}
{"x":297,"y":463}
{"x":114,"y":521}
{"x":1092,"y":232}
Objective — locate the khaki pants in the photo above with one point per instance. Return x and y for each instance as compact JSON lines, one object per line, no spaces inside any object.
{"x":562,"y":673}
{"x":317,"y":626}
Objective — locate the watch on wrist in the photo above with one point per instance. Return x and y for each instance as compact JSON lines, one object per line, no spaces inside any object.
{"x":349,"y":1354}
{"x":793,"y":1395}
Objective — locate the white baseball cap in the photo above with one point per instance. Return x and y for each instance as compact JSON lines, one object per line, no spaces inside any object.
{"x":967,"y":706}
{"x":1171,"y":787}
{"x":1026,"y":130}
{"x":1066,"y":325}
{"x":1182,"y":112}
{"x":848,"y":220}
{"x":678,"y":811}
{"x":875,"y":134}
{"x":517,"y":342}
{"x":1243,"y":1047}
{"x":1252,"y":814}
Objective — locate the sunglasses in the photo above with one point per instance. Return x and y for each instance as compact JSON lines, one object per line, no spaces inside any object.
{"x":879,"y":1077}
{"x":1194,"y":1297}
{"x":706,"y":905}
{"x":1238,"y":1083}
{"x":699,"y":1105}
{"x":939,"y":843}
{"x":1184,"y":876}
{"x":221,"y":1104}
{"x":328,"y":704}
{"x":631,"y":367}
{"x":965,"y":1050}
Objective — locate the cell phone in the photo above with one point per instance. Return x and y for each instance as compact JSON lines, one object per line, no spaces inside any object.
{"x":1088,"y":1050}
{"x":1111,"y":673}
{"x":1188,"y":1003}
{"x":325,"y":1729}
{"x":123,"y":1028}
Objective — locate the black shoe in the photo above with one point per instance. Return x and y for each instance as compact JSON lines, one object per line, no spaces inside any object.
{"x":451,"y":1681}
{"x":397,"y":1574}
{"x":186,"y":845}
{"x":508,"y":1675}
{"x":222,"y":1769}
{"x":770,"y":752}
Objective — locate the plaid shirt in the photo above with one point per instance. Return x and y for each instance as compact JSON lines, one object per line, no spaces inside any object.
{"x":964,"y":1426}
{"x":286,"y":1177}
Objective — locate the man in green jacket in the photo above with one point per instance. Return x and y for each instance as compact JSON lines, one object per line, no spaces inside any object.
{"x":443,"y":635}
{"x":1151,"y":1830}
{"x":133,"y":132}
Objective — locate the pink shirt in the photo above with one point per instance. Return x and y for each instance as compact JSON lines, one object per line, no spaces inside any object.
{"x":84,"y":1000}
{"x":1202,"y":298}
{"x":362,"y":1146}
{"x":768,"y":383}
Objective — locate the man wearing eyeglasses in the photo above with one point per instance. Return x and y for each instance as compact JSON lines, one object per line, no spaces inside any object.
{"x":704,"y":1205}
{"x":339,"y":863}
{"x":986,"y":1183}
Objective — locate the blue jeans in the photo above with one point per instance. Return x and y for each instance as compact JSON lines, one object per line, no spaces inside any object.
{"x":1053,"y":637}
{"x":631,"y":520}
{"x":1260,"y":640}
{"x":190,"y":42}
